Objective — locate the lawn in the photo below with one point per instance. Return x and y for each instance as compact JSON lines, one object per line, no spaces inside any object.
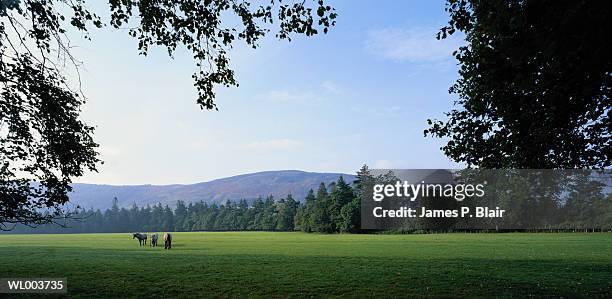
{"x":266,"y":264}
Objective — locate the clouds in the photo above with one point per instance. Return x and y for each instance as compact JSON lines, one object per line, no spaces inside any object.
{"x":326,"y":90}
{"x":414,"y":45}
{"x":285,"y":96}
{"x":332,"y":87}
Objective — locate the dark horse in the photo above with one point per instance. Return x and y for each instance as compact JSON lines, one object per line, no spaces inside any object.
{"x":167,"y":241}
{"x":142,"y":238}
{"x":154,"y":240}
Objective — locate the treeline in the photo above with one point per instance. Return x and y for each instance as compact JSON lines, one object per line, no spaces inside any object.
{"x":535,"y":200}
{"x":334,"y":208}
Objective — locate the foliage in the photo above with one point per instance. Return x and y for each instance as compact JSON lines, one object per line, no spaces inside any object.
{"x":262,"y":215}
{"x":285,"y":214}
{"x":567,"y":200}
{"x":535,"y":85}
{"x":44,"y":144}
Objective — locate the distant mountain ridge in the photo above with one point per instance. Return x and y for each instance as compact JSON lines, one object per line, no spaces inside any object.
{"x":247,"y":186}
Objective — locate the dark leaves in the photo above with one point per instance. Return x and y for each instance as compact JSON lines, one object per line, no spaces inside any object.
{"x":535,"y":85}
{"x":42,"y":142}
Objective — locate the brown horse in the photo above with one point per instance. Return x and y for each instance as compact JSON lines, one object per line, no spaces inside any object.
{"x":167,"y":241}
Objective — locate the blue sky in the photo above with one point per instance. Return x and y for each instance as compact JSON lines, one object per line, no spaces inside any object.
{"x":360,"y":94}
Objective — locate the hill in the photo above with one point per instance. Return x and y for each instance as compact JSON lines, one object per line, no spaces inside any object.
{"x":247,"y":186}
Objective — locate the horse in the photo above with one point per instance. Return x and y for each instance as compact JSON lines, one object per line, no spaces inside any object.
{"x":141,"y":238}
{"x":167,"y":241}
{"x":154,"y":240}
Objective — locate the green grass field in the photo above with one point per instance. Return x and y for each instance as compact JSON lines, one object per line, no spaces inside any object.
{"x":296,"y":264}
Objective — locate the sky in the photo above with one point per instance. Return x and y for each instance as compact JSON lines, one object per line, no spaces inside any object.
{"x":329,"y":103}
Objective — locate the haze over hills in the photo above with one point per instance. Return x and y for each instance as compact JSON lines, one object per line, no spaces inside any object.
{"x":247,"y":186}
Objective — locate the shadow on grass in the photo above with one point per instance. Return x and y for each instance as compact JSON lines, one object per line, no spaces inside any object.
{"x":114,"y":272}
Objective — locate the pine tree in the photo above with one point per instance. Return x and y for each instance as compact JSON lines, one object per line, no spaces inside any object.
{"x":242,"y":221}
{"x":341,"y":195}
{"x":180,"y":213}
{"x":319,"y":218}
{"x":257,"y":214}
{"x":292,"y":206}
{"x":302,"y":219}
{"x":269,"y":217}
{"x":168,"y":219}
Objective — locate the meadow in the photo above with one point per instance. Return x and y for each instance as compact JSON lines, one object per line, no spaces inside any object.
{"x":264,"y":264}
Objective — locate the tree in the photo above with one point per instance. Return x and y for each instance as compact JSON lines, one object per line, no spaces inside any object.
{"x":286,"y":210}
{"x":180,"y":215}
{"x":292,"y":207}
{"x":111,"y":216}
{"x":340,"y":197}
{"x":535,"y":85}
{"x":363,"y":182}
{"x":43,"y":142}
{"x":209,"y":218}
{"x":269,"y":214}
{"x":167,"y":219}
{"x":302,"y":220}
{"x":146,"y":219}
{"x":156,"y":221}
{"x":257,"y":214}
{"x":134,"y":215}
{"x":350,"y":216}
{"x":586,"y":204}
{"x":320,"y":219}
{"x":243,"y":215}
